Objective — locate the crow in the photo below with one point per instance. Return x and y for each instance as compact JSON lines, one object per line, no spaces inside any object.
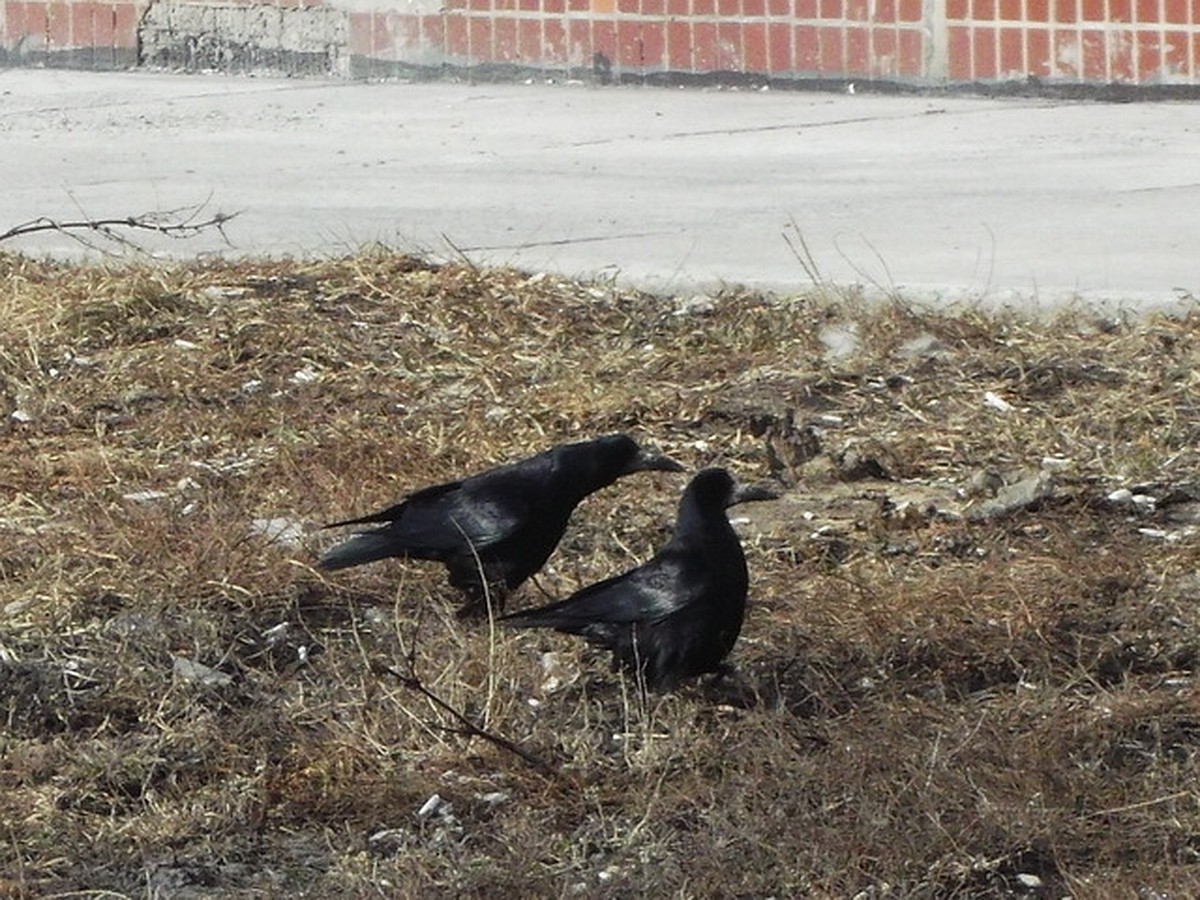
{"x":501,"y":524}
{"x":679,"y":614}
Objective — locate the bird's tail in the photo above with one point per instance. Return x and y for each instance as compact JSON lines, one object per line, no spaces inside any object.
{"x":362,"y":548}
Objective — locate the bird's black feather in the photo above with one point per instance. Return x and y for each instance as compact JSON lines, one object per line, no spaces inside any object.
{"x":502,"y":524}
{"x":679,"y":614}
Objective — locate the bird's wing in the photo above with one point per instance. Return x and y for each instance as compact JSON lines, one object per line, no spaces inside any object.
{"x":645,"y":594}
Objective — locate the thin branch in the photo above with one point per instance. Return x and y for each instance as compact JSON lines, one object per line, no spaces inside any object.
{"x":180,"y":224}
{"x":469,"y":728}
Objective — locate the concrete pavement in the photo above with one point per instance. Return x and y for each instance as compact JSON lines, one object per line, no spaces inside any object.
{"x":935,"y":197}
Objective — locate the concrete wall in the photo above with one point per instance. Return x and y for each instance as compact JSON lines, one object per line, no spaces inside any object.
{"x":911,"y":42}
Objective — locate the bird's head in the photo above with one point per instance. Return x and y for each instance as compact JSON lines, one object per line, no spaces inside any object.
{"x":716,"y":488}
{"x":638,"y":458}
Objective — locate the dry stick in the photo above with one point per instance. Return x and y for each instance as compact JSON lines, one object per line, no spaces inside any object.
{"x":412,"y":682}
{"x":184,"y":227}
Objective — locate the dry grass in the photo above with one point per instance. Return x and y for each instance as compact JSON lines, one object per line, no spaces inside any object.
{"x":928,"y":705}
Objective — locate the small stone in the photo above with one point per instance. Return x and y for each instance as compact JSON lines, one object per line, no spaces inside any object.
{"x":190,"y":670}
{"x":1029,"y":880}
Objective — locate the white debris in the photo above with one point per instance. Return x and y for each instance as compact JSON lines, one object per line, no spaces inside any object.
{"x":995,"y":401}
{"x":307,"y":375}
{"x":186,"y":345}
{"x":253,"y":386}
{"x":1029,"y":880}
{"x":145,"y":496}
{"x":21,"y":416}
{"x":283,"y":531}
{"x":431,"y":807}
{"x":492,"y":798}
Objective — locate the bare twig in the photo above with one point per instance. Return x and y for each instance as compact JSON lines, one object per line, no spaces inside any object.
{"x":414,"y":683}
{"x":180,"y":223}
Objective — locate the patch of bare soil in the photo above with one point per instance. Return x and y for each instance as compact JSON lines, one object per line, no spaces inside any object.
{"x":968,"y":669}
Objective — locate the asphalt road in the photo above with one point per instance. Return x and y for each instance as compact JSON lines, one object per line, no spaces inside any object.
{"x":931,"y":197}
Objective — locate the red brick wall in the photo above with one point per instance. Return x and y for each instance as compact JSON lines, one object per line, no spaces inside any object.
{"x":81,"y":35}
{"x":1098,"y":42}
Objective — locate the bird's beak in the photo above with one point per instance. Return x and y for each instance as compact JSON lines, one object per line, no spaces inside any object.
{"x":652,"y":460}
{"x":745,"y":493}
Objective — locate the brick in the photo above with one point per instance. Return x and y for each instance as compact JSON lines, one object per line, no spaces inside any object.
{"x":911,"y":63}
{"x":958,"y":53}
{"x":957,"y":10}
{"x":579,"y":6}
{"x":83,"y":29}
{"x":858,"y":53}
{"x":884,"y":43}
{"x":885,"y":12}
{"x":911,"y":11}
{"x":1012,"y":53}
{"x":358,"y":33}
{"x":1094,"y":57}
{"x":1011,"y":11}
{"x":830,"y":9}
{"x":1175,"y":53}
{"x":1093,"y":10}
{"x":857,"y":10}
{"x":1120,"y":10}
{"x":604,"y":38}
{"x":504,"y":40}
{"x":1037,"y":52}
{"x":527,"y":5}
{"x":1147,"y":11}
{"x":755,"y":56}
{"x":629,"y":45}
{"x":1120,"y":57}
{"x":479,"y":5}
{"x":729,"y":9}
{"x":679,"y":46}
{"x":554,"y":42}
{"x":704,"y":47}
{"x":729,"y":47}
{"x":780,"y":8}
{"x":832,"y":61}
{"x":554,"y":7}
{"x":479,"y":40}
{"x":653,"y":7}
{"x":679,"y":7}
{"x":58,"y":26}
{"x":704,"y":7}
{"x":1067,"y":11}
{"x":1175,"y":12}
{"x":1149,"y":57}
{"x":1065,"y":49}
{"x":983,"y":55}
{"x":629,"y":7}
{"x":779,"y":48}
{"x":983,"y":10}
{"x":104,"y":25}
{"x":407,"y":32}
{"x":808,"y":49}
{"x":433,"y":32}
{"x":529,"y":41}
{"x":754,"y":9}
{"x":457,"y":44}
{"x":1037,"y":10}
{"x":806,"y":10}
{"x":654,"y":45}
{"x":579,"y":46}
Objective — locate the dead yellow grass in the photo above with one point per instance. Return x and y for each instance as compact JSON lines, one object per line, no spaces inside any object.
{"x":928,"y":705}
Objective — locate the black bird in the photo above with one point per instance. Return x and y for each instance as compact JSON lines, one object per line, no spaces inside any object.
{"x":504,"y":522}
{"x":679,"y":614}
